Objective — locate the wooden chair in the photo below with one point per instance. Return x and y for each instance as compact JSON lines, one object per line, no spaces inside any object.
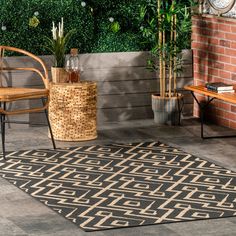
{"x":12,"y":94}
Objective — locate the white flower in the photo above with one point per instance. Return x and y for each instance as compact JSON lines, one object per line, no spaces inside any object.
{"x":83,"y":4}
{"x":141,"y":28}
{"x":111,"y":19}
{"x":54,"y":31}
{"x":62,"y":26}
{"x":36,"y":13}
{"x":3,"y":28}
{"x":58,"y":31}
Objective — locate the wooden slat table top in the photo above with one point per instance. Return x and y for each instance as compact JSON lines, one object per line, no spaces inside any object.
{"x":228,"y":97}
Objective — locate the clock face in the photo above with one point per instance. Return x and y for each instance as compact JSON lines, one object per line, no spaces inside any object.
{"x":221,"y":6}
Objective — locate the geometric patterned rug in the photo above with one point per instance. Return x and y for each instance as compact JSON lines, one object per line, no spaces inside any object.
{"x":123,"y":185}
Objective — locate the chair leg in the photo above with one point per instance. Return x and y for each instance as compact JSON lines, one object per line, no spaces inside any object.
{"x":3,"y":129}
{"x":1,"y":117}
{"x":3,"y":135}
{"x":49,"y":125}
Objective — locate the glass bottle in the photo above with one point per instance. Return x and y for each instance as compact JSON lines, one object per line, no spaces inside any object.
{"x":67,"y":67}
{"x":72,"y":66}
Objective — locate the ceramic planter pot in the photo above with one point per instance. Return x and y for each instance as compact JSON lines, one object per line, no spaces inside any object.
{"x":59,"y":75}
{"x":167,"y":110}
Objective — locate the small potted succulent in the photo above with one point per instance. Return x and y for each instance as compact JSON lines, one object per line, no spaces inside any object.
{"x":57,"y":45}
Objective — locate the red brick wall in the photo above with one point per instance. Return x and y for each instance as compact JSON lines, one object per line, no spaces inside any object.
{"x":214,"y":50}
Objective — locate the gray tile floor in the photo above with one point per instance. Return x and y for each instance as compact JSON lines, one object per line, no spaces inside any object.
{"x":22,"y":215}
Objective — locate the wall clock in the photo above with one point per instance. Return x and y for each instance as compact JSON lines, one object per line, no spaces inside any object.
{"x":221,"y":6}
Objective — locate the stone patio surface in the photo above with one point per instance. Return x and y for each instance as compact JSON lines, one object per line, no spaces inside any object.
{"x":22,"y":215}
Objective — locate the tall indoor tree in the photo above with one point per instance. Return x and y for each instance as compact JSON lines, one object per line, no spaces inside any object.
{"x":166,"y":25}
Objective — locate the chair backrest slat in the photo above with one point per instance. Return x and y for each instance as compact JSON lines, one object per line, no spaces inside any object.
{"x":2,"y":51}
{"x":44,"y":75}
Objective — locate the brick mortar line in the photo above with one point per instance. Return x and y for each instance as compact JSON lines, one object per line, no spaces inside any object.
{"x":207,"y":44}
{"x":215,"y":37}
{"x":229,"y":64}
{"x":216,"y":53}
{"x":212,"y":29}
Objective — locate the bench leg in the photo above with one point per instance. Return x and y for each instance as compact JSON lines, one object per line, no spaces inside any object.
{"x":202,"y":115}
{"x":202,"y":121}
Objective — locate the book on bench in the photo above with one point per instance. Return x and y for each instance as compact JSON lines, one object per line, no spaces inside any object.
{"x":222,"y":91}
{"x":220,"y":86}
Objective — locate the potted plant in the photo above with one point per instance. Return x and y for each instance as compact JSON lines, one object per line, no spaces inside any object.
{"x":166,"y":26}
{"x":58,"y":46}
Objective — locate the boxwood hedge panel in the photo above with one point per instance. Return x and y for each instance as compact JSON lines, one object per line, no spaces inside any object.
{"x":102,"y":25}
{"x":16,"y":29}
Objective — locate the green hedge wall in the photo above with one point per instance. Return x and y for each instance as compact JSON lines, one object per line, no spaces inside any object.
{"x":102,"y":25}
{"x":126,"y":14}
{"x":16,"y":31}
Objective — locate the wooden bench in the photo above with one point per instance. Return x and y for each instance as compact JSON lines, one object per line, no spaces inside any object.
{"x":200,"y":89}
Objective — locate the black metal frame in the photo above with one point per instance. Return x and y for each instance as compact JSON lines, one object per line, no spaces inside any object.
{"x":180,"y":109}
{"x":203,"y":108}
{"x":4,"y":121}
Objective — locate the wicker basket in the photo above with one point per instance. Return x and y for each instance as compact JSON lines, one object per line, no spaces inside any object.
{"x":72,"y":111}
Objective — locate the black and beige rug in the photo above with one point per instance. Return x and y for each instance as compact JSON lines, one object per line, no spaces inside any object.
{"x":123,"y":185}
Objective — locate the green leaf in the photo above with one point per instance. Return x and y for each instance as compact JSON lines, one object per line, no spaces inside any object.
{"x":115,"y":27}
